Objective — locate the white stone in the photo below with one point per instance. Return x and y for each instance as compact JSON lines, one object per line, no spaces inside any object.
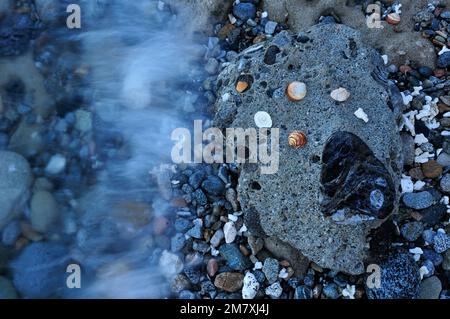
{"x":406,"y":98}
{"x":56,"y":165}
{"x":340,"y":95}
{"x":419,"y":185}
{"x":274,"y":290}
{"x":232,"y":218}
{"x":385,"y":59}
{"x":258,"y":265}
{"x":170,"y":264}
{"x":417,"y":90}
{"x":263,"y":119}
{"x":361,"y":115}
{"x":416,"y":251}
{"x":420,"y":139}
{"x":230,"y":232}
{"x":444,"y":49}
{"x":423,"y":271}
{"x":283,"y":273}
{"x":251,"y":286}
{"x":407,"y":184}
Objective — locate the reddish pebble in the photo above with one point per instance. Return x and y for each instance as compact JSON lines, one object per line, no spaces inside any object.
{"x":405,"y":68}
{"x":212,"y":267}
{"x":439,"y":73}
{"x":160,"y":225}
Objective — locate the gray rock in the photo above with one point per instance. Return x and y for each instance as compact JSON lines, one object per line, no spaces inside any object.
{"x":235,"y":259}
{"x":445,"y":183}
{"x":430,"y":288}
{"x":177,"y":242}
{"x":419,"y":200}
{"x":444,"y":159}
{"x":213,"y":185}
{"x":444,"y":60}
{"x":212,"y":66}
{"x":432,"y":256}
{"x":44,"y":211}
{"x":273,"y":208}
{"x":195,"y":180}
{"x":244,"y":11}
{"x":11,"y":232}
{"x":412,"y":231}
{"x":15,"y":178}
{"x":271,"y":269}
{"x":7,"y":290}
{"x":400,"y":278}
{"x":40,"y":270}
{"x":408,"y":148}
{"x":270,"y":27}
{"x":27,"y":139}
{"x":303,"y":292}
{"x":441,"y":242}
{"x":331,"y":291}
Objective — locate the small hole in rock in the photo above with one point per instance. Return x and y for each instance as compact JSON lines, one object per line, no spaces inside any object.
{"x":255,"y":185}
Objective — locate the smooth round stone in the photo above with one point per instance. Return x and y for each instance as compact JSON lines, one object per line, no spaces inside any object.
{"x":44,"y":211}
{"x":412,"y":231}
{"x":296,"y":91}
{"x":340,"y":95}
{"x":430,"y":288}
{"x":419,"y":200}
{"x":263,"y":120}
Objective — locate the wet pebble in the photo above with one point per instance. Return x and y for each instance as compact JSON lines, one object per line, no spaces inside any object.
{"x":229,"y":281}
{"x":274,"y":290}
{"x":235,"y":259}
{"x":441,"y":242}
{"x":420,"y":200}
{"x":213,"y":185}
{"x":271,"y":269}
{"x":412,"y":231}
{"x":250,"y":287}
{"x":445,"y":183}
{"x":430,"y":288}
{"x":244,"y":11}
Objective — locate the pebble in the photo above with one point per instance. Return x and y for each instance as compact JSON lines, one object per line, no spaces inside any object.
{"x":250,"y":287}
{"x":433,"y":256}
{"x":274,"y":290}
{"x":331,"y":291}
{"x":213,"y":185}
{"x":430,"y":288}
{"x":212,"y":66}
{"x":187,"y":295}
{"x":217,"y":238}
{"x":230,"y":232}
{"x":412,"y":231}
{"x":229,"y":281}
{"x":432,"y":169}
{"x":432,"y":215}
{"x":444,"y":159}
{"x":195,"y":180}
{"x":303,"y":292}
{"x":212,"y":267}
{"x":177,"y":242}
{"x":399,"y":278}
{"x":170,"y":264}
{"x":44,"y":211}
{"x":38,"y":272}
{"x":180,"y":283}
{"x":197,"y":230}
{"x":200,"y":197}
{"x":429,"y":266}
{"x":271,"y":269}
{"x":15,"y":178}
{"x":11,"y":233}
{"x":340,"y":95}
{"x":444,"y":60}
{"x":359,"y":113}
{"x":445,"y":183}
{"x":419,"y":200}
{"x":236,"y":260}
{"x":270,"y":27}
{"x":56,"y":165}
{"x":83,"y":122}
{"x":244,"y":11}
{"x":441,"y":242}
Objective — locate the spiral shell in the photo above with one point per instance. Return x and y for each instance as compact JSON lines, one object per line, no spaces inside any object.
{"x":393,"y":18}
{"x":297,"y":139}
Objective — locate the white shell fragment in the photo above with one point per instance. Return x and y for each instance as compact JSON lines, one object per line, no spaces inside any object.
{"x":263,"y":119}
{"x":296,"y":91}
{"x":420,"y":139}
{"x":340,"y":95}
{"x":361,"y":115}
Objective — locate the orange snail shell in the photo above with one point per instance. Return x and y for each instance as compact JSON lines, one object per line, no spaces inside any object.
{"x":297,"y":139}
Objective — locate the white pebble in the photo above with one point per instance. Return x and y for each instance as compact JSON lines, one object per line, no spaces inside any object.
{"x":417,"y":90}
{"x":258,"y":265}
{"x":406,"y":98}
{"x":230,"y":232}
{"x":263,"y":119}
{"x":361,"y":115}
{"x":283,"y":273}
{"x":226,"y":97}
{"x":444,"y":49}
{"x":56,"y":165}
{"x":423,"y":271}
{"x":420,"y":139}
{"x":349,"y":291}
{"x":232,"y":217}
{"x":340,"y":95}
{"x":444,"y":200}
{"x":385,"y":59}
{"x":407,"y":184}
{"x":445,"y":133}
{"x":419,"y":185}
{"x":251,"y":286}
{"x":416,"y":251}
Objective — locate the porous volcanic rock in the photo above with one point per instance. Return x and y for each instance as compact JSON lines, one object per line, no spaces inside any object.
{"x":328,"y":195}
